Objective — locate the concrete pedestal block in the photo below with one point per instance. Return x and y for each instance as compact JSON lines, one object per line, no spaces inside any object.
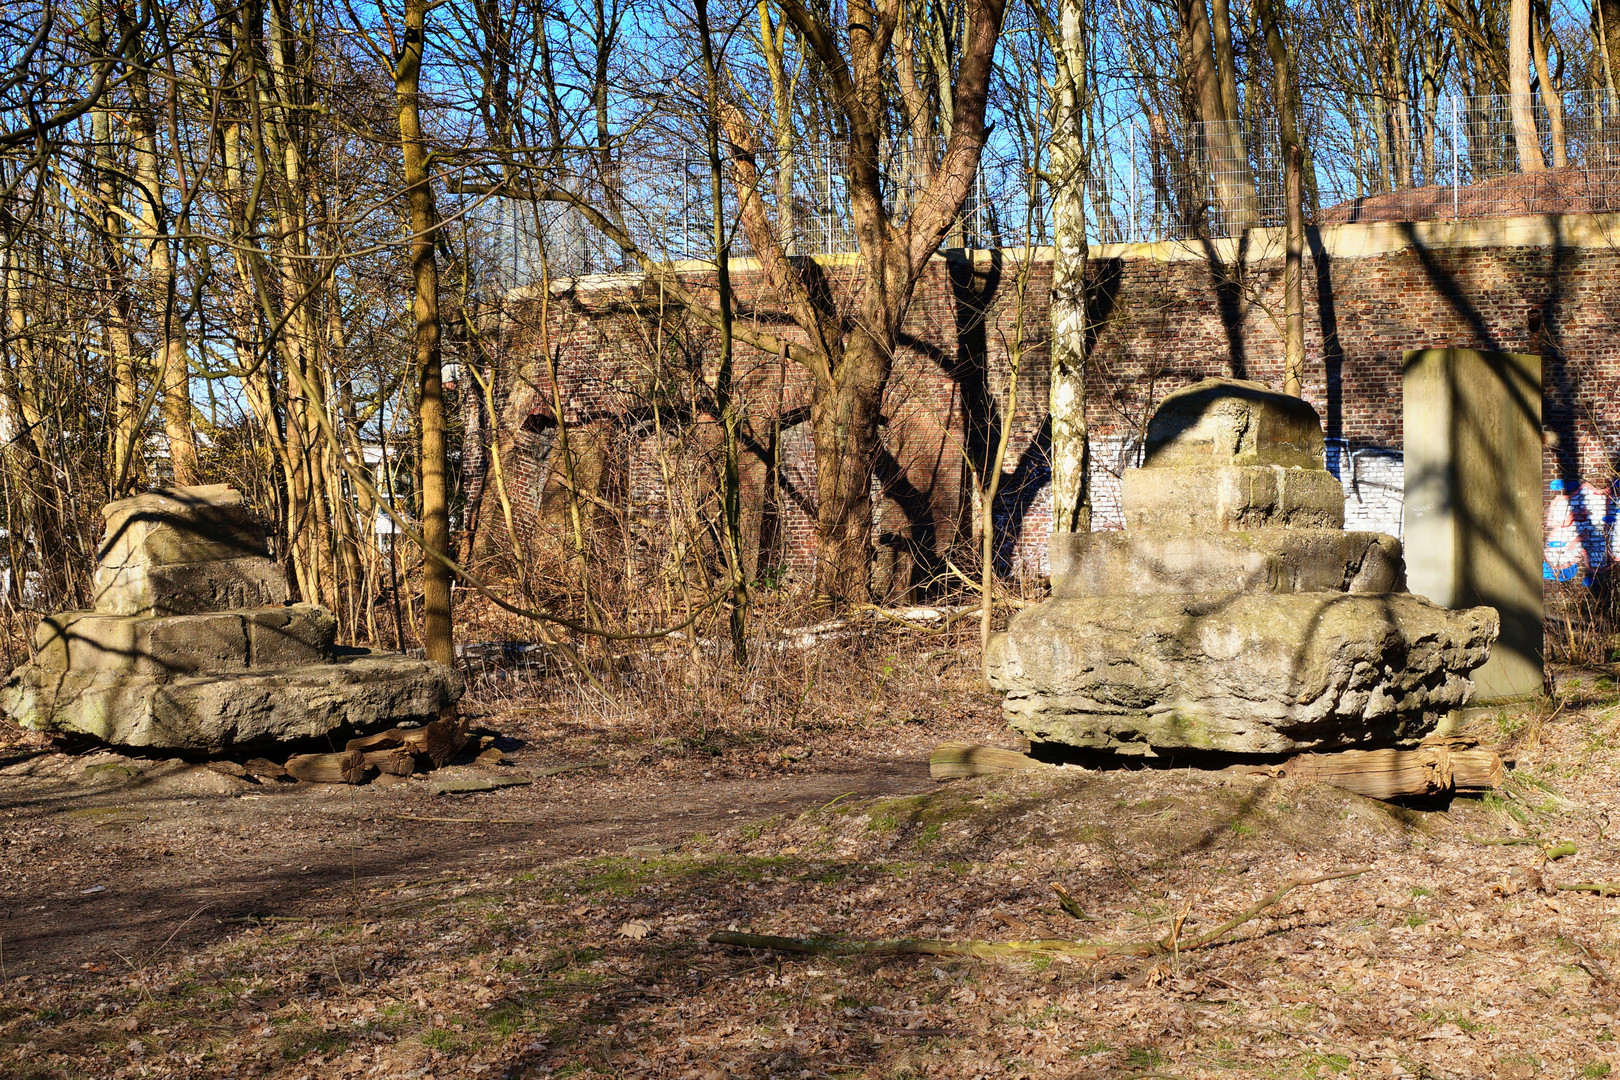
{"x":180,"y":525}
{"x":214,"y":713}
{"x":1216,"y":497}
{"x":189,"y":588}
{"x":1265,"y":560}
{"x":191,"y":645}
{"x":1257,"y":673}
{"x":1233,"y":422}
{"x":1473,"y":512}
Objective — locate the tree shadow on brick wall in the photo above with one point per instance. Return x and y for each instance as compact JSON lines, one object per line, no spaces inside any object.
{"x":1227,"y":281}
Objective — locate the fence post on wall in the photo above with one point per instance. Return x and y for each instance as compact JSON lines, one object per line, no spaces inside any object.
{"x":829,"y":200}
{"x":1136,"y":194}
{"x":686,"y":200}
{"x":1457,"y":154}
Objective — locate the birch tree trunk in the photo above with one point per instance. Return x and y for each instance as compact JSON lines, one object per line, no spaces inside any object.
{"x":1071,"y":498}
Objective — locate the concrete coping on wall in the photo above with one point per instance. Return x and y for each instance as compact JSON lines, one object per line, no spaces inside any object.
{"x":1354,"y":240}
{"x":1366,"y":239}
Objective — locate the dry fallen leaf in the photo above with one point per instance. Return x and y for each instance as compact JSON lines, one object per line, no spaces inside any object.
{"x":635,"y":929}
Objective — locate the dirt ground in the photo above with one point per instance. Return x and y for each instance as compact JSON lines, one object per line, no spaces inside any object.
{"x":165,"y":919}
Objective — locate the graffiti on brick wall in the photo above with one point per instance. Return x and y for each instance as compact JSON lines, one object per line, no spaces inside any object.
{"x":1579,"y":533}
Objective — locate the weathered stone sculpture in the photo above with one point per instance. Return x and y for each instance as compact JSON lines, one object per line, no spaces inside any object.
{"x":1233,"y":613}
{"x":193,"y":646}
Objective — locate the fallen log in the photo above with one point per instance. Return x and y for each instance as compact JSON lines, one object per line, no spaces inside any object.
{"x":1437,"y":766}
{"x":348,"y":767}
{"x":954,"y":760}
{"x":396,"y":761}
{"x":438,"y":741}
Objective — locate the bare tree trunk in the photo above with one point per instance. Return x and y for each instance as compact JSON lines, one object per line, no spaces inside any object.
{"x":1606,"y":20}
{"x":1552,"y":97}
{"x":1228,"y":159}
{"x":724,"y":392}
{"x":118,"y":324}
{"x":1525,"y":139}
{"x":171,"y":363}
{"x":1294,"y":203}
{"x":436,"y":629}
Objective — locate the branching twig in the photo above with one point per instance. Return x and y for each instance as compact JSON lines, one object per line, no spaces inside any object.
{"x":1082,"y":950}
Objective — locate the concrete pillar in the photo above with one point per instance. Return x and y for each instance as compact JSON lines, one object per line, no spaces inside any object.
{"x":1472,"y":526}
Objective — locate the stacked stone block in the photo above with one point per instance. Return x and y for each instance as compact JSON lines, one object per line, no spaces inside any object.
{"x":193,"y":644}
{"x":1234,"y":613}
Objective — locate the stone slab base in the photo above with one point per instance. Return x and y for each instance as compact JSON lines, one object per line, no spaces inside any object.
{"x":255,"y":638}
{"x":1209,"y":497}
{"x":1264,"y":560}
{"x":213,"y":713}
{"x":1258,"y":673}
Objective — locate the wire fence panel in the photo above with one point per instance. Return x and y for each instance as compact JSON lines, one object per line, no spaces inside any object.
{"x":1442,"y":158}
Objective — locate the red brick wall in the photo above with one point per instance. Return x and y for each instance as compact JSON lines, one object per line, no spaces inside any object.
{"x":1163,"y":324}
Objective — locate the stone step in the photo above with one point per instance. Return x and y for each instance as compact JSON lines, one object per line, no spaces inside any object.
{"x":1264,"y":560}
{"x":189,"y":588}
{"x":1221,"y":497}
{"x":159,"y":645}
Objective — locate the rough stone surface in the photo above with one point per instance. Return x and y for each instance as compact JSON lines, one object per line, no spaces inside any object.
{"x":295,"y":634}
{"x":189,"y":588}
{"x":1266,"y":560}
{"x":180,"y":525}
{"x":1234,"y":614}
{"x":1233,"y":422}
{"x":212,"y":713}
{"x":185,"y":644}
{"x":1257,"y":673}
{"x":184,"y":551}
{"x":191,"y":645}
{"x":1231,"y":497}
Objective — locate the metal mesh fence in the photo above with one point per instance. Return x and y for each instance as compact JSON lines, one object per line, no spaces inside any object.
{"x":1443,"y":158}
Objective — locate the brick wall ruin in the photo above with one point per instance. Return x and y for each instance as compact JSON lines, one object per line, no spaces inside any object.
{"x":1168,"y":314}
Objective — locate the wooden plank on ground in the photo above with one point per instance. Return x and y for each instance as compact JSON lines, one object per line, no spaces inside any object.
{"x":954,"y":760}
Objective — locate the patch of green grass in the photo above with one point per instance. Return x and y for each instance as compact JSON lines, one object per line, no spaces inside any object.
{"x":830,"y":875}
{"x":1324,"y":1064}
{"x":623,"y":875}
{"x":1414,"y":920}
{"x":929,"y":835}
{"x":1418,"y":891}
{"x":1596,"y":1070}
{"x":301,"y":1040}
{"x":511,"y":1017}
{"x":443,"y":1040}
{"x":1145,"y":1058}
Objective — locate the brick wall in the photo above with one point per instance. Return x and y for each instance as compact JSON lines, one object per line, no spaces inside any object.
{"x":1168,"y":314}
